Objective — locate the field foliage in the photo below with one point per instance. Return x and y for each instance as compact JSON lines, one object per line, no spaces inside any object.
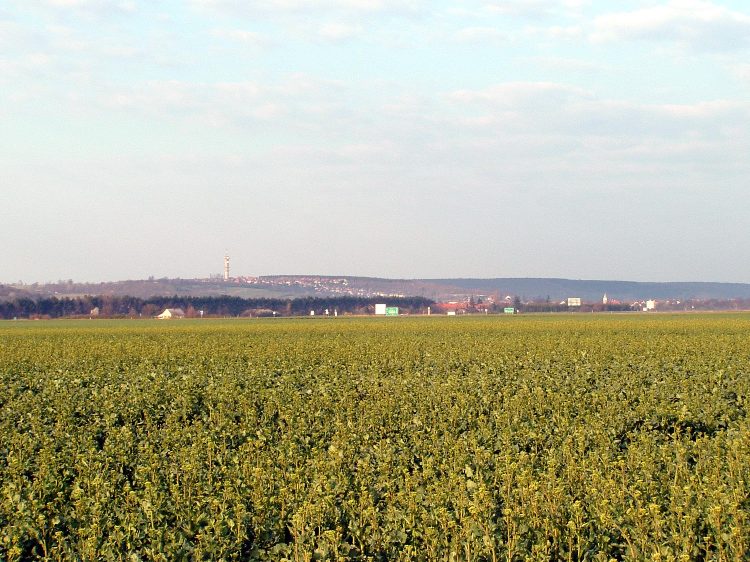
{"x":506,"y":438}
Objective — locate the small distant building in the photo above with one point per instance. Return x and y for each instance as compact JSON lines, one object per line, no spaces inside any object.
{"x":94,"y":311}
{"x":650,"y":305}
{"x":170,"y":313}
{"x":452,"y":306}
{"x":605,"y":300}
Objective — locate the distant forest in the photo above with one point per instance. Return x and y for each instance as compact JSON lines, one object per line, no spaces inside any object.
{"x":223,"y":306}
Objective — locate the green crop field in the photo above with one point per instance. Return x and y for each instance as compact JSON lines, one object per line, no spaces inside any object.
{"x":507,"y":438}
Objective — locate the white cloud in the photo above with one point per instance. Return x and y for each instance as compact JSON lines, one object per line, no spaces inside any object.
{"x":294,"y":104}
{"x":741,"y":71}
{"x":703,"y":110}
{"x":64,"y":38}
{"x":479,"y":35}
{"x":242,"y":36}
{"x":122,"y":51}
{"x":13,"y":36}
{"x":520,"y":93}
{"x":556,"y":126}
{"x":339,"y":31}
{"x":537,"y":9}
{"x":26,"y":63}
{"x":567,"y":64}
{"x":314,"y":21}
{"x":101,"y":7}
{"x":564,"y":32}
{"x":312,"y":6}
{"x":695,"y":24}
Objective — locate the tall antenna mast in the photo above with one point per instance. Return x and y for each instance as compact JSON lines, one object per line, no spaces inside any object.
{"x":226,"y":267}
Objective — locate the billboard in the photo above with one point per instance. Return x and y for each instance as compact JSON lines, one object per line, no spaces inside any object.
{"x":574,"y":301}
{"x":509,"y":310}
{"x":380,"y":309}
{"x":391,"y":311}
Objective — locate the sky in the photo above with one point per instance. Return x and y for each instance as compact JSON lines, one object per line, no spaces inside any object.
{"x":389,"y":138}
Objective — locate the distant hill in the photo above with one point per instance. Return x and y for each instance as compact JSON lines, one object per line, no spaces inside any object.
{"x":147,"y":288}
{"x":295,"y":286}
{"x":592,"y":290}
{"x":9,"y":292}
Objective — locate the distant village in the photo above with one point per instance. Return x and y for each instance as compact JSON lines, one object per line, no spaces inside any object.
{"x":319,"y":285}
{"x":478,"y":302}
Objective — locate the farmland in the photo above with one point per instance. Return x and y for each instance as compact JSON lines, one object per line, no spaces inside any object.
{"x":506,"y":438}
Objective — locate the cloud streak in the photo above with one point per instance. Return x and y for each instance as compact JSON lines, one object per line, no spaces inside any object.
{"x":398,"y":7}
{"x":693,"y":24}
{"x":537,"y":9}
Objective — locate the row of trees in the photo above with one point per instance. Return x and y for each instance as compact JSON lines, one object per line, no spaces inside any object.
{"x":556,"y":307}
{"x":115,"y":306}
{"x":108,"y":306}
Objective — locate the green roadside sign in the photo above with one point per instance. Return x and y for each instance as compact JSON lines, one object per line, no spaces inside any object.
{"x":509,"y":310}
{"x":391,"y":311}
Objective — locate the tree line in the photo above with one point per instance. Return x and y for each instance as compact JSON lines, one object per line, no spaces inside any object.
{"x":217,"y":306}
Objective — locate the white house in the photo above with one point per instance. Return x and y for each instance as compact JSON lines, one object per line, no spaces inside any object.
{"x":171,"y":313}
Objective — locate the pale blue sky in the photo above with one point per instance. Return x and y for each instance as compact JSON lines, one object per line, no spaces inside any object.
{"x":405,"y":138}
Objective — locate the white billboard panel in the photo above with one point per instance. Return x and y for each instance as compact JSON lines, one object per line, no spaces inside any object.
{"x":574,"y":301}
{"x":380,"y":309}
